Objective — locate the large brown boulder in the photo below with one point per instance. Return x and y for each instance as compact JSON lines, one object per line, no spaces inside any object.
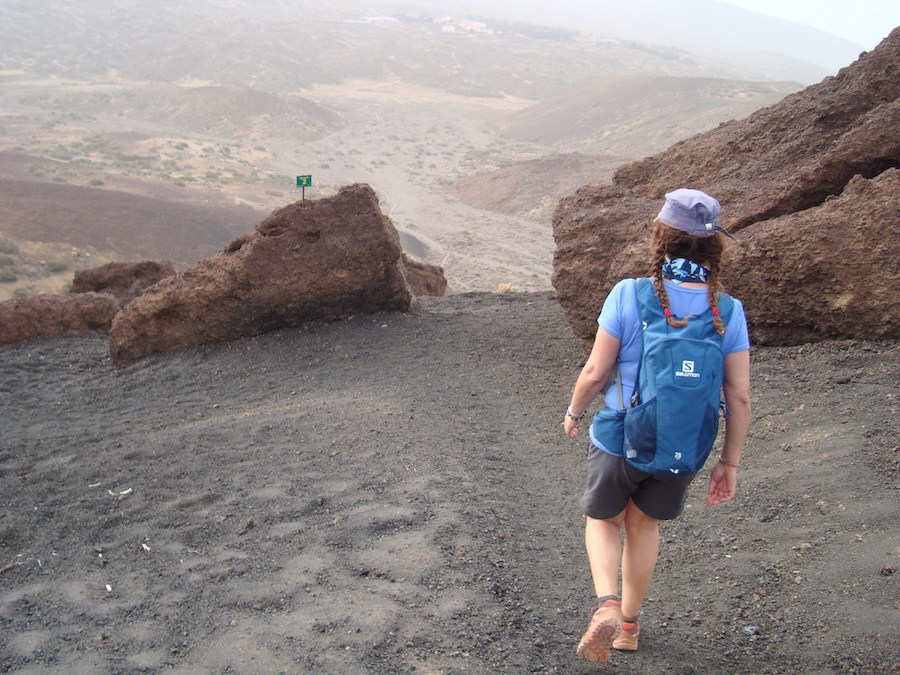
{"x":41,"y":316}
{"x":124,"y":281}
{"x":315,"y":261}
{"x":809,"y":186}
{"x":827,"y":272}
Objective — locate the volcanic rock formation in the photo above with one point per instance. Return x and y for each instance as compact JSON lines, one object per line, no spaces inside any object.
{"x":40,"y":316}
{"x":124,"y":281}
{"x":320,"y":260}
{"x":424,"y":278}
{"x":811,"y":188}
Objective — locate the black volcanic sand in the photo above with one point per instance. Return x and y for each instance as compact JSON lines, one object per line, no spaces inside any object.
{"x":394,"y":494}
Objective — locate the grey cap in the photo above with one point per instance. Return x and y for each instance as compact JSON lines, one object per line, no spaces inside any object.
{"x":692,"y":211}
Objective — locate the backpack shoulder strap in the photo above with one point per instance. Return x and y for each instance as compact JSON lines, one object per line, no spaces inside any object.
{"x":726,"y":307}
{"x":644,"y":291}
{"x":635,"y":288}
{"x":647,"y":306}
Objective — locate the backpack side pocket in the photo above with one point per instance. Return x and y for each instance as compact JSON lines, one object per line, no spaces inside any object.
{"x":608,"y":429}
{"x":640,"y":432}
{"x":708,"y":431}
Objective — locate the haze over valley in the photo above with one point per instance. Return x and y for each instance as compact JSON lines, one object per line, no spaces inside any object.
{"x":135,"y":134}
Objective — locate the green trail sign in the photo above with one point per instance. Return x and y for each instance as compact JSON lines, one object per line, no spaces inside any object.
{"x":303,"y":182}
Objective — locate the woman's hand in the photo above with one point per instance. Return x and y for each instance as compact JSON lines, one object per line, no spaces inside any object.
{"x":571,"y":427}
{"x":722,"y":484}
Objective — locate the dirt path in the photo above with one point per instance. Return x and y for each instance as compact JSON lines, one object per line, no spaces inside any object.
{"x":394,"y":494}
{"x":410,"y":146}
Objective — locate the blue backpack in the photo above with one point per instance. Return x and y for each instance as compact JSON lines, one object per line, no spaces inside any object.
{"x":673,"y":419}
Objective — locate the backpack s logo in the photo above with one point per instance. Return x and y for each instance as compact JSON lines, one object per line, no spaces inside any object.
{"x":687,"y":370}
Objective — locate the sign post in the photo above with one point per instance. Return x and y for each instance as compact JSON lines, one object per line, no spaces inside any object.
{"x":303,"y":182}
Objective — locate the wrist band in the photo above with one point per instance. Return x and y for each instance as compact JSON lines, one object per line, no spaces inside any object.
{"x":724,"y":461}
{"x":573,"y":415}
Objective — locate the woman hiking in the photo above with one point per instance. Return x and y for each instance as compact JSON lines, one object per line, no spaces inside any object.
{"x":685,"y":264}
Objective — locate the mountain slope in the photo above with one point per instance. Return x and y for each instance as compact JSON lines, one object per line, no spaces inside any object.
{"x":639,"y":116}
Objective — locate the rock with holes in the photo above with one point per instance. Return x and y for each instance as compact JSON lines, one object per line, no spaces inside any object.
{"x":321,"y":260}
{"x":124,"y":281}
{"x":809,"y":186}
{"x":41,"y":316}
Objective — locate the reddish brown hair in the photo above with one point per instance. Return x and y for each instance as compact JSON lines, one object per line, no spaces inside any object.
{"x":707,"y":251}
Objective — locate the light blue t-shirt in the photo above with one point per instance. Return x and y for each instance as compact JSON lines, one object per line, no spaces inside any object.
{"x":619,"y":317}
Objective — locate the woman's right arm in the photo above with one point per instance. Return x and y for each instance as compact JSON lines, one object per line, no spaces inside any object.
{"x":593,"y":377}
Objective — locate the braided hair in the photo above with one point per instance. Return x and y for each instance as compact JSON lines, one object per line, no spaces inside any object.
{"x":669,"y":242}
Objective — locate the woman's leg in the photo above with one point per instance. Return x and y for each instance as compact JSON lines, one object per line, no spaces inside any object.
{"x":638,"y":559}
{"x":603,"y":540}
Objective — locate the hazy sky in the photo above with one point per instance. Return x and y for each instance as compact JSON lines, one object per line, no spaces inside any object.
{"x":865,"y":22}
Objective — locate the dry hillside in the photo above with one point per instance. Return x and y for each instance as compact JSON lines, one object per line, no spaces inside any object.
{"x":638,"y":116}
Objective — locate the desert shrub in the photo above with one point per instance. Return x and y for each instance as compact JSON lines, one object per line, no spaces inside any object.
{"x":22,"y":293}
{"x":96,"y":182}
{"x":7,"y":275}
{"x":56,"y":266}
{"x":506,"y":288}
{"x":7,"y":246}
{"x":60,"y":153}
{"x":6,"y":261}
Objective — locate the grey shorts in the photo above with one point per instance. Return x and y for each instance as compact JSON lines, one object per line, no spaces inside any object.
{"x":612,"y":482}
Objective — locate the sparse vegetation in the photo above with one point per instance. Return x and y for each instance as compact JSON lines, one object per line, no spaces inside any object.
{"x":57,"y":266}
{"x":7,"y":246}
{"x":7,"y":275}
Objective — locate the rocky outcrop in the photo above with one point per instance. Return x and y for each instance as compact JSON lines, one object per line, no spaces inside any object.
{"x":808,"y":185}
{"x":320,"y":260}
{"x":424,"y":279}
{"x":41,"y":316}
{"x":124,"y":281}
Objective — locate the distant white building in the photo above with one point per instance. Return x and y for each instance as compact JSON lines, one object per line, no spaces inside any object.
{"x":475,"y":27}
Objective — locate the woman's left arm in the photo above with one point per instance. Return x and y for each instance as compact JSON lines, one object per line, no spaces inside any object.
{"x":593,"y":377}
{"x":723,"y":479}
